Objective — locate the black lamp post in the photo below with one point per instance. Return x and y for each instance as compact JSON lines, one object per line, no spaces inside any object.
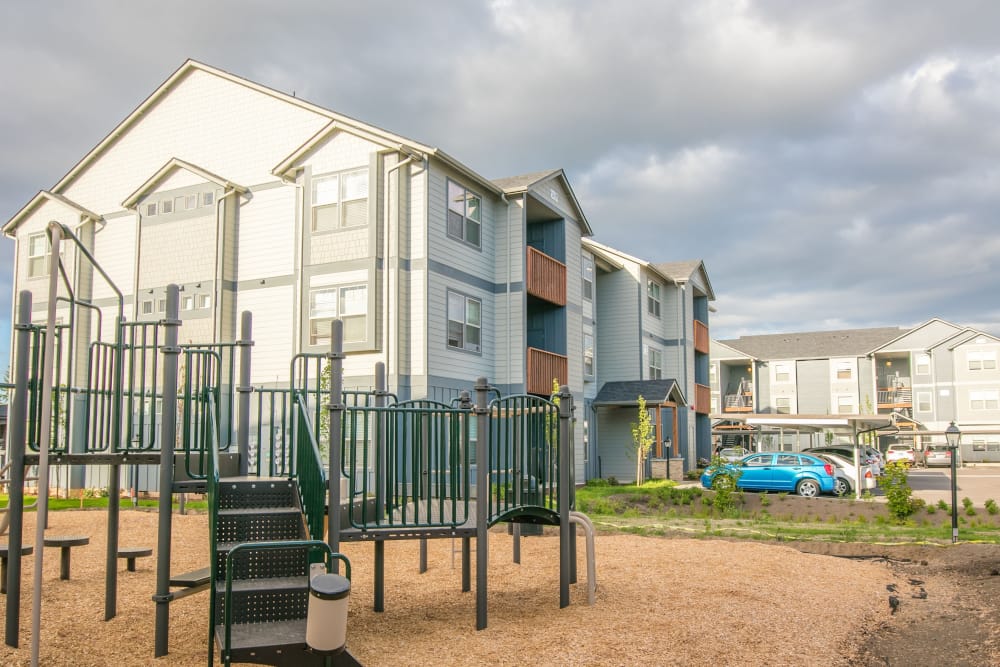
{"x":953,"y":435}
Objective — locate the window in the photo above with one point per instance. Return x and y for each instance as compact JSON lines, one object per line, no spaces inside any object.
{"x":655,"y":365}
{"x":465,"y":214}
{"x":465,"y":322}
{"x":653,"y":298}
{"x":783,"y":405}
{"x":787,"y":460}
{"x":179,"y":203}
{"x":207,"y":198}
{"x":923,"y":364}
{"x":340,"y":201}
{"x":38,"y":248}
{"x":782,"y":373}
{"x":204,"y":300}
{"x":187,"y":303}
{"x":844,"y":370}
{"x":588,"y":354}
{"x":981,"y":360}
{"x":147,"y":307}
{"x":923,"y":401}
{"x":161,"y":306}
{"x":845,"y":405}
{"x":151,"y":210}
{"x":984,"y":400}
{"x":588,"y":277}
{"x":191,"y":201}
{"x":167,"y":206}
{"x":348,"y":302}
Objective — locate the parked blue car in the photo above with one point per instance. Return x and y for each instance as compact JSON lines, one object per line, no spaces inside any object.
{"x":774,"y":471}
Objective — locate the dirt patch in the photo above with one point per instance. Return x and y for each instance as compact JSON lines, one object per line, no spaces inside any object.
{"x":664,"y":601}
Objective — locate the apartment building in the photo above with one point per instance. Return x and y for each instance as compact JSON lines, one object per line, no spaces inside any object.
{"x":925,"y":377}
{"x":661,"y":354}
{"x":254,"y":200}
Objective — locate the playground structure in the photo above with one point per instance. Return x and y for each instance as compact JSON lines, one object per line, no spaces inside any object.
{"x":396,"y":469}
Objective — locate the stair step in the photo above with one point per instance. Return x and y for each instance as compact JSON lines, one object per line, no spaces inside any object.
{"x":275,"y":634}
{"x":250,"y":564}
{"x":253,"y":492}
{"x":265,"y":584}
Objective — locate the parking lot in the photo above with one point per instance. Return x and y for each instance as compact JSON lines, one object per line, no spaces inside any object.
{"x":977,"y":482}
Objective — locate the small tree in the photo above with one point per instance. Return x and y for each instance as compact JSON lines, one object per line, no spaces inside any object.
{"x":642,"y":440}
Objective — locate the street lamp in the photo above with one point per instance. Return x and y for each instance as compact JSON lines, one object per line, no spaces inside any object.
{"x":953,"y":435}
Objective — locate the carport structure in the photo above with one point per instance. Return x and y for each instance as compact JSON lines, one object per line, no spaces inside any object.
{"x":767,"y":426}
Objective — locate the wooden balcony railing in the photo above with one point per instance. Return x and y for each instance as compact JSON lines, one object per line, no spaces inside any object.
{"x":543,"y":367}
{"x":702,"y":399}
{"x":701,"y":343}
{"x":546,"y":277}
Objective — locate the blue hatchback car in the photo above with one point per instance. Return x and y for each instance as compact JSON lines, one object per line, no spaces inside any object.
{"x":774,"y":471}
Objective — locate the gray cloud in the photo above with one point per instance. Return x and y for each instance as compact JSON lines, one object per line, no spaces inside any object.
{"x":834,"y":164}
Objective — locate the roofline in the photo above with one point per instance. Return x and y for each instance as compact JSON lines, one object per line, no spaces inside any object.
{"x":730,"y":347}
{"x":37,"y":200}
{"x":911,"y":330}
{"x":171,"y":165}
{"x":971,"y":333}
{"x":640,"y":262}
{"x":560,"y":174}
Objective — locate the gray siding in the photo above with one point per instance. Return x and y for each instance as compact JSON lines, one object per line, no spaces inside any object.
{"x":618,"y":354}
{"x":614,"y":445}
{"x":813,"y":386}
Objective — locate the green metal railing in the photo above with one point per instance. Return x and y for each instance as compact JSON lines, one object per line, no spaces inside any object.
{"x":199,"y":410}
{"x":212,"y":493}
{"x":311,"y":474}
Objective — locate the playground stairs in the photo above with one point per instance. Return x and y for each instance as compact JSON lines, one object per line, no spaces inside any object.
{"x":270,"y":587}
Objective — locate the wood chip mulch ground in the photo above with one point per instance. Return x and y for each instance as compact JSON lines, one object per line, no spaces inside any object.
{"x":659,"y":602}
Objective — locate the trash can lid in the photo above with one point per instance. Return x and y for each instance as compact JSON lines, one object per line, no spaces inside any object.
{"x":330,"y":586}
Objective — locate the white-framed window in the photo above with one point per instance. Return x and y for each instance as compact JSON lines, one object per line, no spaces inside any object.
{"x":715,"y":404}
{"x":845,"y":370}
{"x":465,"y":322}
{"x":588,"y":355}
{"x":207,"y":198}
{"x":588,"y":277}
{"x":982,"y":360}
{"x":179,"y":203}
{"x":653,"y":298}
{"x":348,"y":302}
{"x":654,"y":365}
{"x":340,"y":201}
{"x":151,"y":209}
{"x":782,"y":372}
{"x":923,"y":364}
{"x":146,"y":307}
{"x":845,"y":405}
{"x":161,"y":305}
{"x":986,"y":399}
{"x":167,"y":206}
{"x":923,"y":401}
{"x":712,"y":373}
{"x":465,"y":214}
{"x":204,"y":300}
{"x":38,"y":251}
{"x":187,"y":302}
{"x":191,"y":201}
{"x":783,"y":405}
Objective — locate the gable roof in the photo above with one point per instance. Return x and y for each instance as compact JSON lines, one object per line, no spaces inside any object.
{"x":814,"y":344}
{"x":626,"y":393}
{"x":619,"y":255}
{"x":907,"y":332}
{"x":681,"y":272}
{"x":962,"y":337}
{"x":525,"y":182}
{"x":190,"y":66}
{"x":171,"y":166}
{"x":41,"y":198}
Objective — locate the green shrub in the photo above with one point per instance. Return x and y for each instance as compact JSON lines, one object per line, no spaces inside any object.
{"x":943,"y":506}
{"x":991,"y":506}
{"x":764,"y":499}
{"x":597,"y":481}
{"x":898,"y":493}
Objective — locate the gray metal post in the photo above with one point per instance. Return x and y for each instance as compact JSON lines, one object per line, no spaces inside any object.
{"x":168,"y":436}
{"x":482,"y":499}
{"x":565,"y":481}
{"x":381,"y":485}
{"x":335,"y":413}
{"x":466,"y":404}
{"x":16,"y":442}
{"x":44,"y":438}
{"x":244,"y":389}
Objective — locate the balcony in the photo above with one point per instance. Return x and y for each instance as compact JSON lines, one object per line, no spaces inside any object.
{"x":546,"y":278}
{"x":895,"y":398}
{"x":741,"y":401}
{"x":701,"y":343}
{"x":702,"y":399}
{"x":543,"y":367}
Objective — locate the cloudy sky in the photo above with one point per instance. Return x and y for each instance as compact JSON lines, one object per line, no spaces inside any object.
{"x":835,"y":165}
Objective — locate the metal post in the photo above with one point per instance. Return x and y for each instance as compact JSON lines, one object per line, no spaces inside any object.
{"x":482,"y":499}
{"x":44,"y":437}
{"x":244,"y":389}
{"x":16,"y":442}
{"x":168,"y":436}
{"x":565,"y":480}
{"x":381,"y":483}
{"x":335,"y":412}
{"x":954,"y":496}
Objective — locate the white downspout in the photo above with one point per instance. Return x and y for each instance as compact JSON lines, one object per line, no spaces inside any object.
{"x":386,"y":319}
{"x":297,"y":262}
{"x":217,"y":279}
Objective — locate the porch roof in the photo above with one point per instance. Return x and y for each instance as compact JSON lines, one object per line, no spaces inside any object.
{"x":626,"y":394}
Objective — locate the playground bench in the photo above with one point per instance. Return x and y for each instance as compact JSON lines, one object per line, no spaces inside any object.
{"x":131,"y":553}
{"x":25,"y":551}
{"x":65,"y":543}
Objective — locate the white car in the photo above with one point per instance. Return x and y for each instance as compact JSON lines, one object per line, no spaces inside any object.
{"x":846,"y":476}
{"x":899,"y":452}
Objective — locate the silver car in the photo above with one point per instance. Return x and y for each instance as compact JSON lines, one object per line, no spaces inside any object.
{"x":938,"y":455}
